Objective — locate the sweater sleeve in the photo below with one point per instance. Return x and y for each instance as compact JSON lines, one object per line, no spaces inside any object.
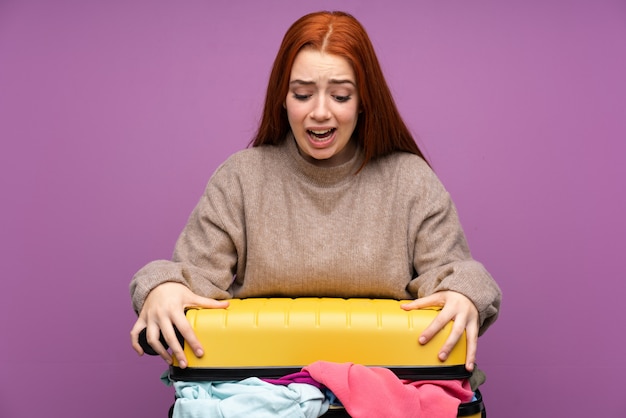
{"x":208,"y":249}
{"x":441,"y":256}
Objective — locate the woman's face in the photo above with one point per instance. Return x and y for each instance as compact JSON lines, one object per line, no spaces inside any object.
{"x":323,"y":107}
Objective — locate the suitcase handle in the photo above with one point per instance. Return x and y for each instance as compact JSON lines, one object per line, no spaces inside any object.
{"x":147,"y":348}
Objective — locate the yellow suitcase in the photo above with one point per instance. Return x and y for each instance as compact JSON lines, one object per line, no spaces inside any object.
{"x":273,"y":337}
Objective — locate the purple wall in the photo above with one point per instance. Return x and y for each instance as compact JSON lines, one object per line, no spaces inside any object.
{"x":113,"y":114}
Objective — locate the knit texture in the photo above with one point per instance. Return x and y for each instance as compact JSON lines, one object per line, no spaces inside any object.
{"x":271,"y":224}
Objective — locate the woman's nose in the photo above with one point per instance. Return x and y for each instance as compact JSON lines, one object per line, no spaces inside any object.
{"x":321,"y":110}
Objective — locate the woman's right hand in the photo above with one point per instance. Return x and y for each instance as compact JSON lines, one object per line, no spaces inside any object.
{"x":164,"y":309}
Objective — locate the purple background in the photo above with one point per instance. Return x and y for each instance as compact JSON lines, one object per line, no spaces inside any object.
{"x":113,"y":115}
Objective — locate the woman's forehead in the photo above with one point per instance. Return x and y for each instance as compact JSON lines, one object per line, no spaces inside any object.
{"x":311,"y":66}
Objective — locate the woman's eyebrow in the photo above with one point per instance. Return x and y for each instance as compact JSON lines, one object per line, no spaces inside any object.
{"x":301,"y":82}
{"x":341,"y":81}
{"x":331,"y":81}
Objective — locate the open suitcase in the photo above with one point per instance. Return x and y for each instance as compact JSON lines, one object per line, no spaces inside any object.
{"x":289,"y":334}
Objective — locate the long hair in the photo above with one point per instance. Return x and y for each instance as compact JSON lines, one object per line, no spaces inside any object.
{"x":380,"y":130}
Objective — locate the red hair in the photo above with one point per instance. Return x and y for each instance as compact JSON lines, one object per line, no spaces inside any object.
{"x":380,"y":130}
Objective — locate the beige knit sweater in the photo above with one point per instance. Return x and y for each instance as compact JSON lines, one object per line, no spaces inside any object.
{"x":272,"y":224}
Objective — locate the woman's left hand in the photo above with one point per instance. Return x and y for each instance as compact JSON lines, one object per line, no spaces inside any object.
{"x":455,"y":307}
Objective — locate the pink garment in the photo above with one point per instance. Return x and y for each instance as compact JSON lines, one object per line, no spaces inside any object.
{"x":374,"y":392}
{"x":298,"y":377}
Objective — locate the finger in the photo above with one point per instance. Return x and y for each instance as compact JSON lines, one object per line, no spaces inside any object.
{"x":177,"y":351}
{"x":458,"y":327}
{"x":140,"y":324}
{"x":187,"y":331}
{"x":190,"y":340}
{"x":153,"y":334}
{"x":435,"y":326}
{"x":471,"y":333}
{"x":202,"y":302}
{"x":434,"y":300}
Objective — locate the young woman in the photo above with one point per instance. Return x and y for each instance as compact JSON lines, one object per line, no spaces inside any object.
{"x":334,"y":198}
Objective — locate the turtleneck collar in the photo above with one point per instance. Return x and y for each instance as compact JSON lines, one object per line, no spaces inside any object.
{"x":321,"y":176}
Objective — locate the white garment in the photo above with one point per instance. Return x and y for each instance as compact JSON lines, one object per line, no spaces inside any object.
{"x":249,"y":398}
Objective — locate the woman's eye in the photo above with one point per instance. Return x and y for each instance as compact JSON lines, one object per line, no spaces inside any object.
{"x":342,"y":99}
{"x":301,"y":97}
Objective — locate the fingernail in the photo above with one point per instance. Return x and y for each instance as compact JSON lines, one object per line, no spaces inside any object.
{"x":443,"y":356}
{"x":422,"y":340}
{"x":199,"y":352}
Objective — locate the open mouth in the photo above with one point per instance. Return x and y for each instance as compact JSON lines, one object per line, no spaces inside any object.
{"x":321,"y":135}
